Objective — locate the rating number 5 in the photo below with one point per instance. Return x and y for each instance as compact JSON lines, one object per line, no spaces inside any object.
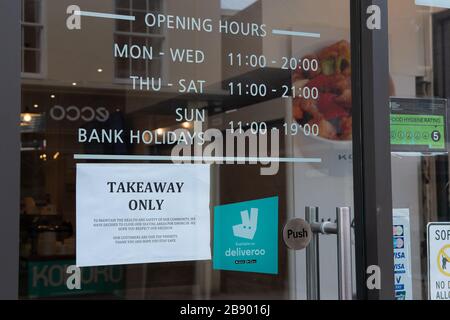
{"x":436,"y":136}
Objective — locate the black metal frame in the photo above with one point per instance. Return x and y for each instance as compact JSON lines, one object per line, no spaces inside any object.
{"x":371,"y":150}
{"x":10,"y":147}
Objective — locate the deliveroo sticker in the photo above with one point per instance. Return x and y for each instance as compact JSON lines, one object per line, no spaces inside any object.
{"x":246,"y":236}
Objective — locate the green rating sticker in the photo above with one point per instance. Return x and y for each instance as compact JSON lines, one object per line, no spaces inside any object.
{"x":418,"y":130}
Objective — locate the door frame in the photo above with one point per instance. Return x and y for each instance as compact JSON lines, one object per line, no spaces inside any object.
{"x":371,"y":150}
{"x":10,"y":66}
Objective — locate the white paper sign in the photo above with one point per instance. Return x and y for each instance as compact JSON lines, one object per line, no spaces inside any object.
{"x":142,"y":213}
{"x":402,"y":255}
{"x":439,"y":261}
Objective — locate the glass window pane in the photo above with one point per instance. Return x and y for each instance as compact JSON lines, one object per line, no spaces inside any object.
{"x":31,"y":37}
{"x":123,"y":25}
{"x":139,"y":67}
{"x":122,"y":64}
{"x":32,"y":11}
{"x":139,"y":5}
{"x":154,"y":5}
{"x":122,"y":68}
{"x":154,"y":68}
{"x":139,"y":25}
{"x":139,"y":41}
{"x":419,"y":86}
{"x":156,"y":44}
{"x":82,"y":91}
{"x":123,"y":4}
{"x":31,"y":61}
{"x":154,"y":30}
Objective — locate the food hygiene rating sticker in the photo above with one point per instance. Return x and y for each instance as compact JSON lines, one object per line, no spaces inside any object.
{"x":439,"y":261}
{"x":246,"y":236}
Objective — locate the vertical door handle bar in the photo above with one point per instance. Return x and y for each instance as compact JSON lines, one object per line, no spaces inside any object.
{"x":312,"y":257}
{"x":343,"y":217}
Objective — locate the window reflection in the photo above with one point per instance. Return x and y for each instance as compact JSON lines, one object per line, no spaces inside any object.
{"x":420,"y":179}
{"x":72,"y":80}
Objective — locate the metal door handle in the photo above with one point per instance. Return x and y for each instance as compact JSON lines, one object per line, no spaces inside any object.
{"x":342,"y":228}
{"x":343,"y":217}
{"x":312,"y":257}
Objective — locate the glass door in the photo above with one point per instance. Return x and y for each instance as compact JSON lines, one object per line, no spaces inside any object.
{"x":419,"y":141}
{"x":169,"y":149}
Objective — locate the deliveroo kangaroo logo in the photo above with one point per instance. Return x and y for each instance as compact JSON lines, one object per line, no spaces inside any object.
{"x":246,"y":236}
{"x":247,"y":228}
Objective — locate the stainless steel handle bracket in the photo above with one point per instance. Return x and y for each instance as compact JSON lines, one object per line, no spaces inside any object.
{"x":342,"y":228}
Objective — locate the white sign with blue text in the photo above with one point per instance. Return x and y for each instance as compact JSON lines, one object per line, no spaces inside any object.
{"x":402,"y":255}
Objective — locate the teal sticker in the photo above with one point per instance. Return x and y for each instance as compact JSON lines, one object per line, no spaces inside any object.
{"x":246,"y":236}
